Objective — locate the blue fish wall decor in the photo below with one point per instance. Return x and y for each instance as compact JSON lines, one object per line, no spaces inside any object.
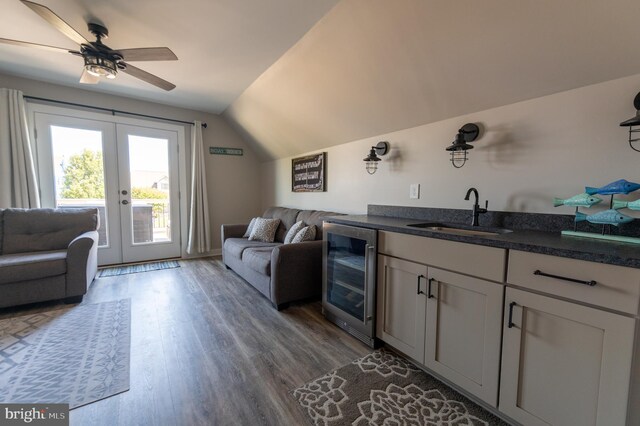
{"x":580,"y":200}
{"x":607,"y":217}
{"x":621,"y":186}
{"x":631,"y":205}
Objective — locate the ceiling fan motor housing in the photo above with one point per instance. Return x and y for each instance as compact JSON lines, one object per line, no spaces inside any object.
{"x":98,"y":30}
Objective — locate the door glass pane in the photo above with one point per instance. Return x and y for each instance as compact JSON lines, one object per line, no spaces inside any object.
{"x":79,"y":171}
{"x":150,"y":184}
{"x":345,"y":274}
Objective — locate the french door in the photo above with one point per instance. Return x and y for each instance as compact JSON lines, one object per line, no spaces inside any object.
{"x":129,"y":172}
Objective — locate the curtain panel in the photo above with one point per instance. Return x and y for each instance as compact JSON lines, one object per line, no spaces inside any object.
{"x":18,"y":183}
{"x":199,"y":226}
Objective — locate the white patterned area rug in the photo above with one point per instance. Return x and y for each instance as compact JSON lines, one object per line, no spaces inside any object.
{"x":385,"y":389}
{"x":75,"y":355}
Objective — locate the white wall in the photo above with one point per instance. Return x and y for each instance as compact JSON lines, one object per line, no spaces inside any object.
{"x":530,"y":152}
{"x":233,"y":182}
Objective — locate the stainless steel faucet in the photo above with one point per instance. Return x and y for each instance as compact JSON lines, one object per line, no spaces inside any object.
{"x":477,"y":210}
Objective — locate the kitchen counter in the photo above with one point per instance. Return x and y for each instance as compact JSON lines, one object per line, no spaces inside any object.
{"x":536,"y":241}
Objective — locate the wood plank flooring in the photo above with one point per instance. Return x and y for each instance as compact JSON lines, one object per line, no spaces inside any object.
{"x":208,"y":349}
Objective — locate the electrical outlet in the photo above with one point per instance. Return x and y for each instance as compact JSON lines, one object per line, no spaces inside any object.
{"x":414,"y":191}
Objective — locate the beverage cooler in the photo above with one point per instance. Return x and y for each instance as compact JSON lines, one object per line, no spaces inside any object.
{"x":349,"y":279}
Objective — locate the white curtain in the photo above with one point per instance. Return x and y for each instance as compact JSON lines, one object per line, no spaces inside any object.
{"x":199,"y":228}
{"x":18,"y":184}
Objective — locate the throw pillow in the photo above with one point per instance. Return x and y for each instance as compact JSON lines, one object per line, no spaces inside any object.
{"x":264,"y":230}
{"x":295,"y":228}
{"x":249,"y":228}
{"x":308,"y":233}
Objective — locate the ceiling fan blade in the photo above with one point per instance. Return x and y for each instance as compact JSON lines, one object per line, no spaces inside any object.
{"x":148,"y":54}
{"x":148,"y":77}
{"x":37,"y":46}
{"x":56,"y":21}
{"x":87,"y":78}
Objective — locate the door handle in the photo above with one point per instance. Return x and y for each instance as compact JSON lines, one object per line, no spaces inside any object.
{"x":124,"y":192}
{"x":418,"y":290}
{"x":590,"y":283}
{"x":510,"y":324}
{"x":429,"y":295}
{"x":125,"y":202}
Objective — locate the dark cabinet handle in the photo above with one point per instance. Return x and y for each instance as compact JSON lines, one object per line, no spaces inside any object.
{"x":573,"y":280}
{"x":125,"y":202}
{"x":511,"y":305}
{"x":420,"y":291}
{"x":429,"y":295}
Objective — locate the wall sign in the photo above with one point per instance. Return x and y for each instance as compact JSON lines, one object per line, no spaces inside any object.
{"x":219,"y":150}
{"x":308,"y":173}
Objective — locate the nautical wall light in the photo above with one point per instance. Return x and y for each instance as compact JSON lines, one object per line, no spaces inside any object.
{"x":634,"y":121}
{"x":372,"y":159}
{"x":458,"y":149}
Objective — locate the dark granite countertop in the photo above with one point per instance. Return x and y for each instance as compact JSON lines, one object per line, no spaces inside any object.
{"x":536,"y":241}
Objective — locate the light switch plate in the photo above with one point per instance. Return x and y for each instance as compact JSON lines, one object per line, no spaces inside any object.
{"x":414,"y":191}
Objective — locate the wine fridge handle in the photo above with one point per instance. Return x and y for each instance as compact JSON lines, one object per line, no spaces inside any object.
{"x":367,"y":290}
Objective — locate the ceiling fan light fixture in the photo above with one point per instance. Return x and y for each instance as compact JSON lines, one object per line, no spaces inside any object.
{"x":100,"y":67}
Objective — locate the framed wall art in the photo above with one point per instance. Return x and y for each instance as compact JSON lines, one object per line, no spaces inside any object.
{"x":308,"y":174}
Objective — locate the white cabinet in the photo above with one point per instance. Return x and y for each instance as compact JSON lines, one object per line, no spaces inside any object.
{"x":563,"y":363}
{"x":570,"y":356}
{"x":401,"y":305}
{"x":464,"y":325}
{"x":460,"y":319}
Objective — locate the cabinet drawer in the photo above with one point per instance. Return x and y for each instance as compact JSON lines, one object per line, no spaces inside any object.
{"x":616,"y":287}
{"x":471,"y":259}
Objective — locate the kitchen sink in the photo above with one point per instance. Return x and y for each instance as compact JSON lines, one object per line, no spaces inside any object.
{"x":461,"y":229}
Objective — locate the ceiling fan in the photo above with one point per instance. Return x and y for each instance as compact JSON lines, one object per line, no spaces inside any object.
{"x":99,"y":59}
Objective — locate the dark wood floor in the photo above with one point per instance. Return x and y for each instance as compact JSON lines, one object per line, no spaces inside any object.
{"x":208,"y":349}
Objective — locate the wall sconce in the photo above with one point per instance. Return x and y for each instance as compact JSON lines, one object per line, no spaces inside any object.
{"x":458,"y":149}
{"x":634,"y":121}
{"x":372,"y":159}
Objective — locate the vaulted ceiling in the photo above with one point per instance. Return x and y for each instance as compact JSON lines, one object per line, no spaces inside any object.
{"x":222,"y":45}
{"x":371,"y":67}
{"x":295,"y":76}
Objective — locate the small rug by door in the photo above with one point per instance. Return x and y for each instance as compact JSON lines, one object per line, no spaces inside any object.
{"x":385,"y":389}
{"x":75,"y":355}
{"x":142,"y":267}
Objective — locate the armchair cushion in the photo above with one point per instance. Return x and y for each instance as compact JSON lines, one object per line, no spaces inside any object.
{"x":32,"y":266}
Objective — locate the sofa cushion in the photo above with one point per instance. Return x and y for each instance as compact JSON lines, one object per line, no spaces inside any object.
{"x":45,"y":229}
{"x":258,"y":259}
{"x":31,"y":266}
{"x":264,"y":230}
{"x":235,"y":246}
{"x":287,"y":219}
{"x":291,"y":233}
{"x":308,"y":233}
{"x":315,"y":217}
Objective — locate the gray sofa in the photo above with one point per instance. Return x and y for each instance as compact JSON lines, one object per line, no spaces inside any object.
{"x":282,"y":272}
{"x":47,"y":254}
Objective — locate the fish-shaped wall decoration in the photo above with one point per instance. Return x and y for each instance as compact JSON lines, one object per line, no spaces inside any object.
{"x":621,"y":186}
{"x":580,"y":200}
{"x":607,"y":217}
{"x":631,"y":205}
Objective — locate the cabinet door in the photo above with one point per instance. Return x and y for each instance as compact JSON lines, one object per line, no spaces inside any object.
{"x":402,"y":305}
{"x":564,"y":364}
{"x":464,"y":326}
